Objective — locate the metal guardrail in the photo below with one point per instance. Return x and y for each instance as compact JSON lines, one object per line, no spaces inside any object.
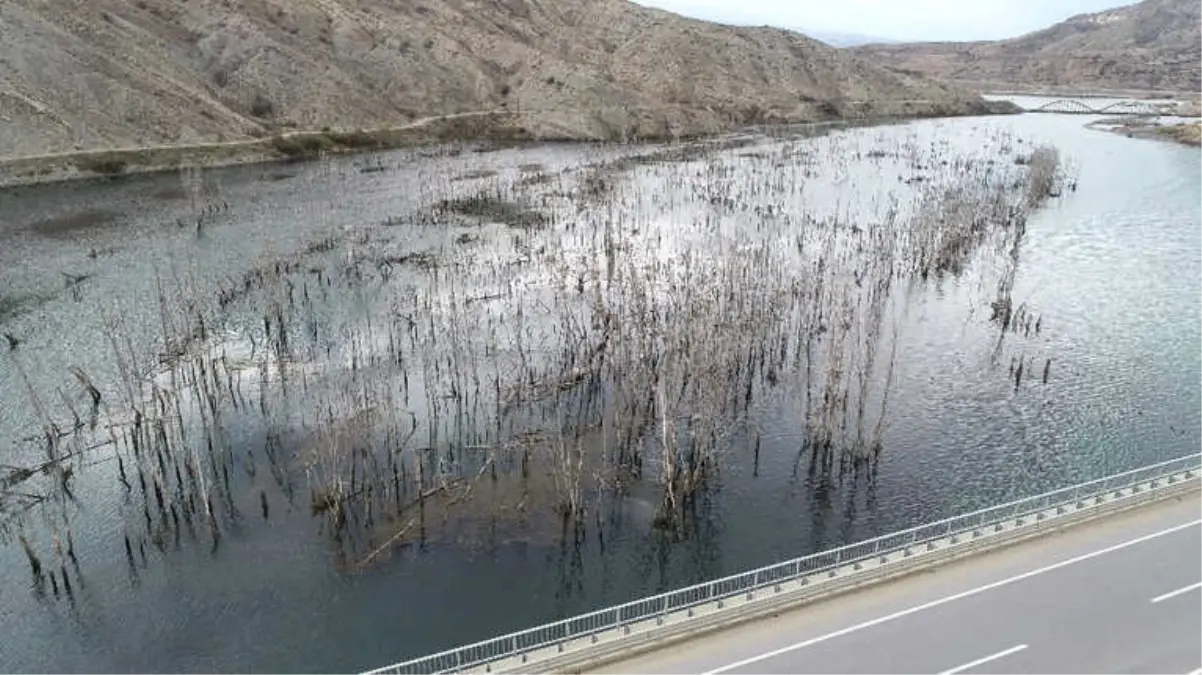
{"x":659,"y":606}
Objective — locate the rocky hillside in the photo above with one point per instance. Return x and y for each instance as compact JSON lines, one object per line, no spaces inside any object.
{"x":1150,"y":46}
{"x":86,"y":74}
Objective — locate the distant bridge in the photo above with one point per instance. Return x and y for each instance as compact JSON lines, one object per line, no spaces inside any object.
{"x":1075,"y":107}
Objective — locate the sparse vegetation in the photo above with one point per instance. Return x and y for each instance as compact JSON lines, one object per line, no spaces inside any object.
{"x":261,"y":106}
{"x":302,"y":146}
{"x":595,"y":344}
{"x":360,"y":139}
{"x":485,"y":207}
{"x":104,"y":165}
{"x":12,"y":305}
{"x":1189,"y":133}
{"x":1043,"y":178}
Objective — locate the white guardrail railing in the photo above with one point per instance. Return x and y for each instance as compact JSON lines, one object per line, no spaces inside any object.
{"x":550,"y":643}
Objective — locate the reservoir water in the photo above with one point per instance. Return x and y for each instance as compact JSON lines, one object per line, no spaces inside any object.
{"x":1111,"y":269}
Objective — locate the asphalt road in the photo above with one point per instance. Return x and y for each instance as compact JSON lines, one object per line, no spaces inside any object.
{"x":1119,"y":595}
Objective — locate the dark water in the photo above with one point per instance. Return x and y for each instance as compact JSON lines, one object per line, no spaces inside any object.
{"x":1115,"y":268}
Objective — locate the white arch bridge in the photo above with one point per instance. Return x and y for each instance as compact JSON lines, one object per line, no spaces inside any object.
{"x":1075,"y":107}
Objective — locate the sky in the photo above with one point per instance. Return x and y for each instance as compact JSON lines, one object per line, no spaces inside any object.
{"x":907,"y":20}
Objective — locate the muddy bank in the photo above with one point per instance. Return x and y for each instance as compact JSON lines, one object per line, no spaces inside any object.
{"x":501,"y":126}
{"x":1127,"y":126}
{"x":284,"y":147}
{"x":1189,"y":134}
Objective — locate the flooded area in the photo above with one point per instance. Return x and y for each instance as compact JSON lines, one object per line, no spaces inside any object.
{"x":326,"y":416}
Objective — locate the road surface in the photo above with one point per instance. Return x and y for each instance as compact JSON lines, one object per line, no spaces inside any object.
{"x":1118,"y":595}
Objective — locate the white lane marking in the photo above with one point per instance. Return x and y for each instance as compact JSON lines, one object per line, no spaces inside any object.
{"x":963,"y":594}
{"x":984,"y":659}
{"x":1179,"y":591}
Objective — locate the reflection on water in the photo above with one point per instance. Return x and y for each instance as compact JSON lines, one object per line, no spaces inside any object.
{"x":1112,"y":270}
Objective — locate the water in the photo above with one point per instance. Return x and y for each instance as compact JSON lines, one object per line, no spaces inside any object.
{"x":1114,"y":269}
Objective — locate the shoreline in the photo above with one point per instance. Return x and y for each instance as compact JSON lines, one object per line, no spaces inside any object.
{"x":1189,"y":133}
{"x":1183,"y":133}
{"x":491,"y":125}
{"x":285,"y":147}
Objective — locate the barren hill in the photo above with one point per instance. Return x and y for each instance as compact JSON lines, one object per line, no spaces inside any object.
{"x":1150,"y":46}
{"x":85,"y":74}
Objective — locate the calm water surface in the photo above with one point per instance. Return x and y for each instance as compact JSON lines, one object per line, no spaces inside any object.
{"x":1115,"y":268}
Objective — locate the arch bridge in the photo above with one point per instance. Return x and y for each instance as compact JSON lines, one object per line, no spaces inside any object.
{"x":1076,"y":107}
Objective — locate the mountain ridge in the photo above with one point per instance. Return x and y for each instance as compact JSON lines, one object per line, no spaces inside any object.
{"x":1154,"y":45}
{"x":94,"y":74}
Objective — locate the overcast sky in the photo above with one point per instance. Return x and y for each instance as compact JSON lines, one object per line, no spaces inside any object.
{"x":909,"y":20}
